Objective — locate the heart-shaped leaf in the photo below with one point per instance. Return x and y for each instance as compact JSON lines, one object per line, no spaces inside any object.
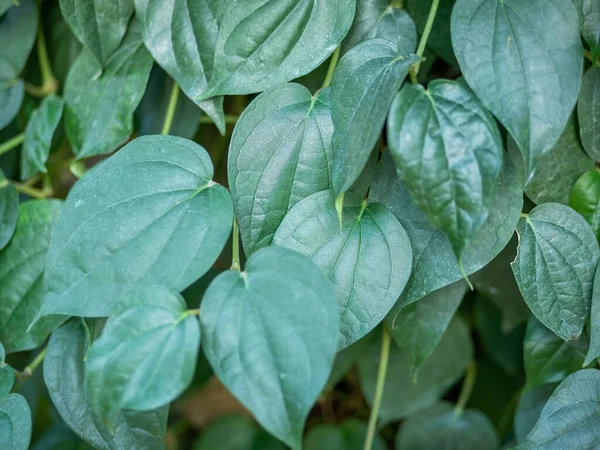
{"x":15,"y":422}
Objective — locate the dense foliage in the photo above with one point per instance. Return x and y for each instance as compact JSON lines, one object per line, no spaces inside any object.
{"x":318,"y":224}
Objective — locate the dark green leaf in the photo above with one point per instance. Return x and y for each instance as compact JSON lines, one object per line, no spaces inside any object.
{"x":367,"y":256}
{"x":418,"y":327}
{"x":270,"y":334}
{"x":529,"y":409}
{"x":150,"y":214}
{"x":349,"y":435}
{"x":11,"y":97}
{"x":181,"y":37}
{"x":380,"y":19}
{"x":236,"y":433}
{"x":402,"y":395}
{"x":526,"y":71}
{"x":594,"y":350}
{"x":585,"y":199}
{"x":22,"y":266}
{"x":451,"y":176}
{"x":345,"y":359}
{"x":555,"y":267}
{"x":100,"y":25}
{"x":100,"y":106}
{"x":439,"y":41}
{"x":15,"y":422}
{"x":439,"y":427}
{"x":279,"y":154}
{"x":59,"y":437}
{"x":9,"y":210}
{"x":18,"y":29}
{"x":7,"y":374}
{"x":434,"y":264}
{"x":588,"y":111}
{"x":571,"y":417}
{"x":38,"y":136}
{"x":63,"y":46}
{"x":262,"y":43}
{"x":590,"y":25}
{"x":363,"y":86}
{"x":64,"y":374}
{"x":547,"y":358}
{"x":5,"y":5}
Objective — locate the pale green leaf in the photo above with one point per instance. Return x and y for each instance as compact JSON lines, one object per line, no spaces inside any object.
{"x":588,"y":111}
{"x":368,"y":256}
{"x":270,"y":334}
{"x":349,"y":435}
{"x":236,"y":433}
{"x":15,"y":422}
{"x":9,"y":210}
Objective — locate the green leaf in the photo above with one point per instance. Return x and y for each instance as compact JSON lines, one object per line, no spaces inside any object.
{"x":150,"y":114}
{"x":451,"y":176}
{"x":19,"y":28}
{"x":9,"y":210}
{"x":63,"y":46}
{"x":11,"y":97}
{"x":15,"y":422}
{"x":280,"y":153}
{"x":100,"y":106}
{"x":38,"y":136}
{"x":526,"y":71}
{"x":440,"y":427}
{"x":547,"y":358}
{"x":555,"y":267}
{"x":22,"y":265}
{"x":263,"y":43}
{"x":59,"y":437}
{"x":100,"y":25}
{"x":5,"y":5}
{"x":364,"y":83}
{"x":402,"y":395}
{"x":345,"y":359}
{"x":585,"y":199}
{"x":7,"y":374}
{"x":151,"y":329}
{"x":571,"y":418}
{"x":439,"y":41}
{"x":181,"y":38}
{"x":380,"y":19}
{"x":64,"y":374}
{"x":150,"y":214}
{"x":349,"y":435}
{"x":270,"y":334}
{"x":434,"y":263}
{"x":594,"y":331}
{"x":590,"y":26}
{"x":236,"y":433}
{"x":368,"y":256}
{"x":529,"y":409}
{"x":588,"y":111}
{"x":563,"y":164}
{"x":418,"y":327}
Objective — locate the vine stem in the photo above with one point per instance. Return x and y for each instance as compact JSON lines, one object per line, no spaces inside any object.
{"x":414,"y":71}
{"x":381,"y":373}
{"x":235,"y":253}
{"x":49,"y":82}
{"x":467,"y":389}
{"x":332,"y":64}
{"x":171,"y":109}
{"x":24,"y":188}
{"x":30,"y":368}
{"x":12,"y":143}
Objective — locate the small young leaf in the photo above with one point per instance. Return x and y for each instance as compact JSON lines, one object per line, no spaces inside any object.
{"x":451,"y":176}
{"x":349,"y":435}
{"x":38,"y":136}
{"x":526,"y":71}
{"x":100,"y":25}
{"x":588,"y":111}
{"x":22,"y":266}
{"x":150,"y":214}
{"x":571,"y":418}
{"x":263,"y":43}
{"x":151,"y":330}
{"x":439,"y":427}
{"x":555,"y":267}
{"x":64,"y":375}
{"x":280,"y":153}
{"x":9,"y":210}
{"x":441,"y":371}
{"x":236,"y":433}
{"x":100,"y":103}
{"x":529,"y":409}
{"x":181,"y":38}
{"x":368,"y":257}
{"x":11,"y":97}
{"x":419,"y":327}
{"x":270,"y":334}
{"x":585,"y":199}
{"x":18,"y":29}
{"x":363,"y":86}
{"x":439,"y":41}
{"x":594,"y":350}
{"x":547,"y":358}
{"x":15,"y":422}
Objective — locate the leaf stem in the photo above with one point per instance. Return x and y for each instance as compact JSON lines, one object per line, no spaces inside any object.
{"x":414,"y":70}
{"x":12,"y":143}
{"x":24,"y":188}
{"x":332,"y":64}
{"x":467,"y":388}
{"x":171,"y":109}
{"x":381,"y":373}
{"x":235,"y":252}
{"x":49,"y":82}
{"x":230,"y":119}
{"x":29,"y":369}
